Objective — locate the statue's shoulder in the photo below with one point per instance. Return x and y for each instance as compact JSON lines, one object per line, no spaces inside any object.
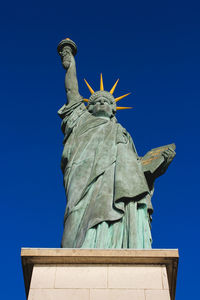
{"x":72,"y":108}
{"x":72,"y":115}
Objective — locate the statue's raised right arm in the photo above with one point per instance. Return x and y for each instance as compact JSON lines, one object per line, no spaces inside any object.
{"x":67,"y":50}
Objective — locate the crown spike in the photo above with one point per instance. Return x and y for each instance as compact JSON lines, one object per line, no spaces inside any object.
{"x":101,"y":83}
{"x":120,"y":107}
{"x":89,"y":87}
{"x":113,"y":88}
{"x":121,"y":97}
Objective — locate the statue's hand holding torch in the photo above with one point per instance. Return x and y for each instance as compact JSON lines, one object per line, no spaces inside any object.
{"x":67,"y":49}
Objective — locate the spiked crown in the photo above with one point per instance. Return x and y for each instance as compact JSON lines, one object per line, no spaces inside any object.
{"x":108,"y":95}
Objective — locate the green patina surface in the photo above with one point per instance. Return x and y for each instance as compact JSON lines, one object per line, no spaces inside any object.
{"x":108,"y":186}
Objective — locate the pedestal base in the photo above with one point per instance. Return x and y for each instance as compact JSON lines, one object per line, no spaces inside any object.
{"x":94,"y":274}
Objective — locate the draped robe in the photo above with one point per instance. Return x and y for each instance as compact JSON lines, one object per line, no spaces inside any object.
{"x":108,"y":199}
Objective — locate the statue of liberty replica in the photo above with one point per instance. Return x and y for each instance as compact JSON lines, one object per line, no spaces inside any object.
{"x":108,"y":186}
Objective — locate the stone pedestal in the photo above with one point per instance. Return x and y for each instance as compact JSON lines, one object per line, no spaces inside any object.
{"x":95,"y":274}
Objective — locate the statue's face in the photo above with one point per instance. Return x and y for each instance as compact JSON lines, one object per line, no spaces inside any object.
{"x":102,"y":107}
{"x":66,"y":56}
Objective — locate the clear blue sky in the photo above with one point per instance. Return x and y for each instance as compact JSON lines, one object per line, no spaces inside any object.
{"x":154,"y":48}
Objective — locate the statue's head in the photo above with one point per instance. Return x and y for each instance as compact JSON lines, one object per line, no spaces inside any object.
{"x":103,"y":103}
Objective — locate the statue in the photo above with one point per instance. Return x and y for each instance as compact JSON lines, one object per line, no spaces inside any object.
{"x":108,"y":186}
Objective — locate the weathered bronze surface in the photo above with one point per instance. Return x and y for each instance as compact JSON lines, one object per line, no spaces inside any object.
{"x":108,"y":186}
